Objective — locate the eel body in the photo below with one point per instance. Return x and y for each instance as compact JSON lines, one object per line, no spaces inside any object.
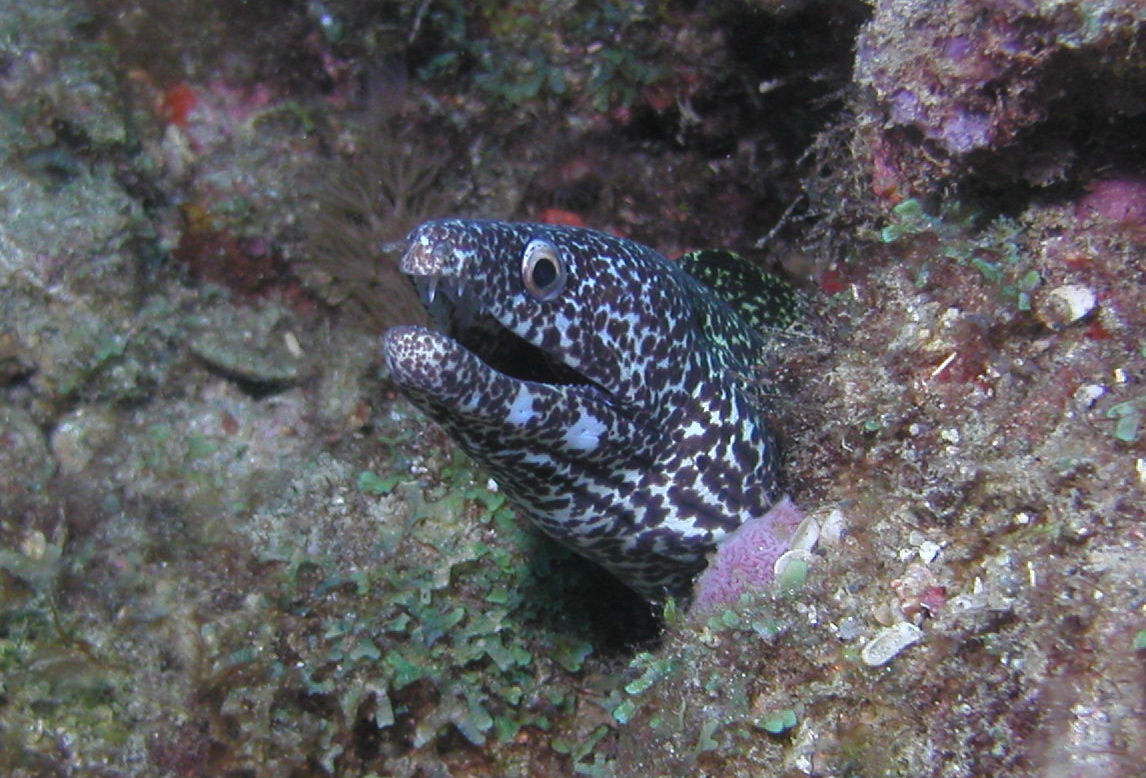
{"x":612,"y":395}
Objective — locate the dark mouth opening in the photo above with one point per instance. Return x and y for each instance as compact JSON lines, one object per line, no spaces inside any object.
{"x":508,"y":353}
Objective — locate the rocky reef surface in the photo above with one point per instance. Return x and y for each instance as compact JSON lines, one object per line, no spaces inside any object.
{"x":228,"y":547}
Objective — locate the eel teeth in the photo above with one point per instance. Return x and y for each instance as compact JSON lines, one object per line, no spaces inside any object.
{"x":428,"y":287}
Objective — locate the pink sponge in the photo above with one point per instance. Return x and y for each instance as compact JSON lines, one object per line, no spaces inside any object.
{"x":744,"y":560}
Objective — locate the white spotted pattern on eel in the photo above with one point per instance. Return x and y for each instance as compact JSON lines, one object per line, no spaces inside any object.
{"x":621,"y":415}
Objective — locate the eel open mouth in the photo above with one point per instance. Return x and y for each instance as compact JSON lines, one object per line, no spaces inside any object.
{"x":459,"y":316}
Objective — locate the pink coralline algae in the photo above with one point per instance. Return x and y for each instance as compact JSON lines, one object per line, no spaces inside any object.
{"x":958,"y":128}
{"x":1000,"y":92}
{"x":745,"y":559}
{"x":1120,"y":200}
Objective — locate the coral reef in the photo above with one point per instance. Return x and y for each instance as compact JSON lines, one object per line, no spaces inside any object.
{"x":228,"y":547}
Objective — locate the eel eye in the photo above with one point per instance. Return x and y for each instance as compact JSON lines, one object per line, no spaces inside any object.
{"x":542,"y":270}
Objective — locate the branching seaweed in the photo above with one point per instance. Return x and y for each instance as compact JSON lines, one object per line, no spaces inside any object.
{"x":365,"y":204}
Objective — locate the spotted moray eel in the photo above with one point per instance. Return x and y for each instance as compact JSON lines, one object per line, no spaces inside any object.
{"x":612,"y":395}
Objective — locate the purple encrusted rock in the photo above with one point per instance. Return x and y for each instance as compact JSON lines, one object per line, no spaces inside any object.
{"x":745,"y":559}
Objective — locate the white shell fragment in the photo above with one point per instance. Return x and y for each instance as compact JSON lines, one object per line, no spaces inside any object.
{"x":889,"y":642}
{"x":1064,"y":305}
{"x":834,"y":526}
{"x":1087,"y":395}
{"x":928,"y":550}
{"x":806,"y":535}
